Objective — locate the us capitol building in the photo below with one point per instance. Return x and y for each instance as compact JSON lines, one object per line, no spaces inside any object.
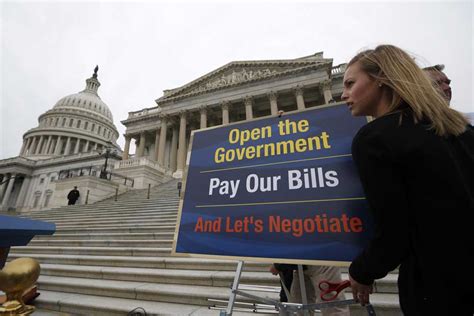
{"x":63,"y":150}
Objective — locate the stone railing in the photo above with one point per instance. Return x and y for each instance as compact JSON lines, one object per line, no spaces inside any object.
{"x":17,"y":160}
{"x":140,"y":162}
{"x":339,"y":69}
{"x":144,"y":112}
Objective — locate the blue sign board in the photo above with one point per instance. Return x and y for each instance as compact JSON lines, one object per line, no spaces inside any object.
{"x":277,"y":189}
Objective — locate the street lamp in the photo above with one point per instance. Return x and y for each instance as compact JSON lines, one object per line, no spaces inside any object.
{"x":107,"y":153}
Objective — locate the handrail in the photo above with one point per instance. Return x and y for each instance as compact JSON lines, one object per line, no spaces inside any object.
{"x":93,"y":171}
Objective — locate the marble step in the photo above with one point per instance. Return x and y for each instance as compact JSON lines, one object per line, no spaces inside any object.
{"x":161,"y":263}
{"x":384,"y":304}
{"x":116,"y":251}
{"x":153,"y":235}
{"x":159,"y":224}
{"x":170,"y":293}
{"x":138,"y":209}
{"x":190,"y":277}
{"x":165,"y":200}
{"x":126,"y":229}
{"x":51,"y":302}
{"x":157,"y":262}
{"x":103,"y":243}
{"x":112,"y":216}
{"x":130,"y":218}
{"x":157,"y":275}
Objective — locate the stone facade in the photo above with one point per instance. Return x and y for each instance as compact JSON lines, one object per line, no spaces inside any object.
{"x":238,"y":91}
{"x":65,"y":145}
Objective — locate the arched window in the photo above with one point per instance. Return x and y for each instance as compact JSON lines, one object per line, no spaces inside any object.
{"x":78,"y":123}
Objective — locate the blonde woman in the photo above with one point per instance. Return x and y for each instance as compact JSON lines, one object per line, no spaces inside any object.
{"x":416,"y":164}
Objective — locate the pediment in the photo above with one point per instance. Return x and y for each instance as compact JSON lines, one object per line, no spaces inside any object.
{"x":237,"y":73}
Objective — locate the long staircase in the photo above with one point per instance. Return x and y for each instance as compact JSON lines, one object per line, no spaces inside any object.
{"x":113,"y":257}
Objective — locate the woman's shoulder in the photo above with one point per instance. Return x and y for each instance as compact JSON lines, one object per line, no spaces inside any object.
{"x":390,"y":134}
{"x":387,"y":124}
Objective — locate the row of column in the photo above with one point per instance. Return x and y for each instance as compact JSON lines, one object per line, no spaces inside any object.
{"x":178,"y":153}
{"x":6,"y":188}
{"x":34,"y":145}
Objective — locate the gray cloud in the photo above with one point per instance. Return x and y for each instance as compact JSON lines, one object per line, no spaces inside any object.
{"x":48,"y":49}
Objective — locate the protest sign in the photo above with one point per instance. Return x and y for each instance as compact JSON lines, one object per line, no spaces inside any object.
{"x":276,"y":189}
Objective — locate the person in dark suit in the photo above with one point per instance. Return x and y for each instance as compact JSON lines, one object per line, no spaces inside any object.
{"x":285,"y":271}
{"x":416,"y":164}
{"x":73,"y":196}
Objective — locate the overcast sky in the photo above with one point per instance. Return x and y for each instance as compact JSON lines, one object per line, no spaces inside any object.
{"x":48,"y":49}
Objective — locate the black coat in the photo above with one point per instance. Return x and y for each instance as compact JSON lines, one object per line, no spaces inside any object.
{"x":420,"y":189}
{"x":73,"y":195}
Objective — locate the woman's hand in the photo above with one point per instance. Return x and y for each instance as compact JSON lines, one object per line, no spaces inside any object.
{"x":360,"y":291}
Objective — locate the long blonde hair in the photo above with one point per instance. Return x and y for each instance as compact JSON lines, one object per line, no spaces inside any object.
{"x":405,"y":81}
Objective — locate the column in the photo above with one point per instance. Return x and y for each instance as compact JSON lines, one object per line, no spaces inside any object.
{"x":20,"y":201}
{"x":27,"y":145}
{"x":3,"y":184}
{"x":57,"y":149}
{"x":40,"y":143}
{"x":182,"y":142}
{"x":203,"y":111}
{"x":225,"y":112}
{"x":32,"y":148}
{"x":76,"y":148}
{"x":126,"y":150}
{"x":174,"y":148}
{"x":325,"y":87}
{"x":161,"y":150}
{"x":299,"y":98}
{"x":157,"y":144}
{"x":86,"y":147}
{"x":141,"y":146}
{"x":6,"y":196}
{"x":248,"y":108}
{"x":273,"y":96}
{"x":68,"y":146}
{"x":48,"y":143}
{"x":23,"y":146}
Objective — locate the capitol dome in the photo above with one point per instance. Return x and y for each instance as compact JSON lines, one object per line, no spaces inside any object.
{"x":77,"y":123}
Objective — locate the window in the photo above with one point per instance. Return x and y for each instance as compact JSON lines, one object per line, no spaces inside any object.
{"x":57,"y":121}
{"x":41,"y":180}
{"x":46,"y":200}
{"x":37,"y":198}
{"x":98,"y":130}
{"x":64,"y":122}
{"x":86,"y":124}
{"x":71,"y":121}
{"x":53,"y":179}
{"x":78,"y":123}
{"x":93,"y":127}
